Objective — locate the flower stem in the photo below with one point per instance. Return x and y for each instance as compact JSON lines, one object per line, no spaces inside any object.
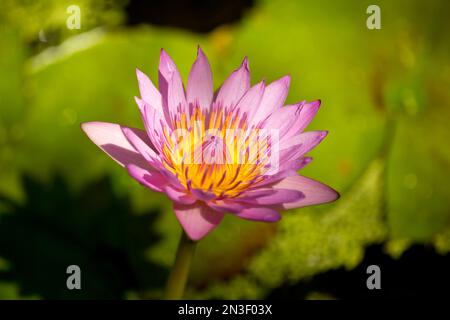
{"x":180,"y":270}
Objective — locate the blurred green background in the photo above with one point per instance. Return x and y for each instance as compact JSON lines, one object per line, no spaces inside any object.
{"x":385,"y":101}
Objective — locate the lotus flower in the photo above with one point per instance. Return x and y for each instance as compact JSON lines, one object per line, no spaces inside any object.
{"x":234,"y":152}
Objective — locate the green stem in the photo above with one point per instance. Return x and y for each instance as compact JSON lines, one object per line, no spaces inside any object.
{"x":180,"y":270}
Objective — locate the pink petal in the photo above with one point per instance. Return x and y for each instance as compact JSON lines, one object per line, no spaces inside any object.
{"x":249,"y":103}
{"x":277,"y":196}
{"x":225,"y":206}
{"x":314,"y":191}
{"x":179,"y":196}
{"x":283,"y":119}
{"x":171,"y":87}
{"x":142,"y":147}
{"x":260,"y":214}
{"x":235,"y":86}
{"x":281,"y":174}
{"x":274,"y":96}
{"x":305,"y":116}
{"x":297,"y":146}
{"x":203,"y":195}
{"x":286,"y":169}
{"x":296,"y":164}
{"x":141,"y":103}
{"x":197,"y":219}
{"x":148,"y":91}
{"x":154,"y":123}
{"x":200,"y":83}
{"x":150,"y":179}
{"x":110,"y":138}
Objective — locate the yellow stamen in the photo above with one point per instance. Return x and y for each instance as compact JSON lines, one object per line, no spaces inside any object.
{"x":233,"y":163}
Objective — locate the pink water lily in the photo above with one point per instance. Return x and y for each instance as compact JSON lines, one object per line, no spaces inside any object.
{"x":185,"y":150}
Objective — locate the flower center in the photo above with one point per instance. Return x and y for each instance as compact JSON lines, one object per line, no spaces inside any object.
{"x":216,"y":152}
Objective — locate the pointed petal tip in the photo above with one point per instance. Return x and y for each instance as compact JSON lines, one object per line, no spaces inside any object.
{"x":200,"y":51}
{"x":317,"y":135}
{"x":141,"y":103}
{"x":338,"y":195}
{"x":321,"y":135}
{"x":166,"y":61}
{"x":245,"y":63}
{"x":201,"y":56}
{"x":316,"y":103}
{"x":84,"y":127}
{"x":286,"y":80}
{"x":307,"y":160}
{"x":333,"y":195}
{"x":141,"y":76}
{"x":87,"y":126}
{"x":139,"y":72}
{"x":162,"y":54}
{"x":316,"y":192}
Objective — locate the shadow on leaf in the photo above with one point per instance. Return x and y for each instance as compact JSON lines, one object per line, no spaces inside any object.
{"x":94,"y":229}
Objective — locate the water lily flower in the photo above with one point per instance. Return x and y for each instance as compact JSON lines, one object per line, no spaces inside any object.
{"x":234,"y":152}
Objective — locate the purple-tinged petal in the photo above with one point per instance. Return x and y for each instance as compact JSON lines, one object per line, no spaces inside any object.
{"x":283,"y":119}
{"x":150,"y":179}
{"x":110,"y":138}
{"x":296,"y":164}
{"x":259,"y":214}
{"x":171,"y":88}
{"x":250,"y":101}
{"x":235,"y":86}
{"x":286,"y":169}
{"x":200,"y":83}
{"x":271,"y":179}
{"x":142,"y":147}
{"x":154,"y":124}
{"x":179,"y":196}
{"x":305,"y":116}
{"x":308,"y":113}
{"x":276,"y":197}
{"x":274,"y":96}
{"x":148,"y":91}
{"x":176,"y":98}
{"x":197,"y":219}
{"x":254,"y":193}
{"x":226,"y":206}
{"x":142,"y":103}
{"x":314,"y":191}
{"x":297,"y":146}
{"x":202,"y":195}
{"x":166,"y":68}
